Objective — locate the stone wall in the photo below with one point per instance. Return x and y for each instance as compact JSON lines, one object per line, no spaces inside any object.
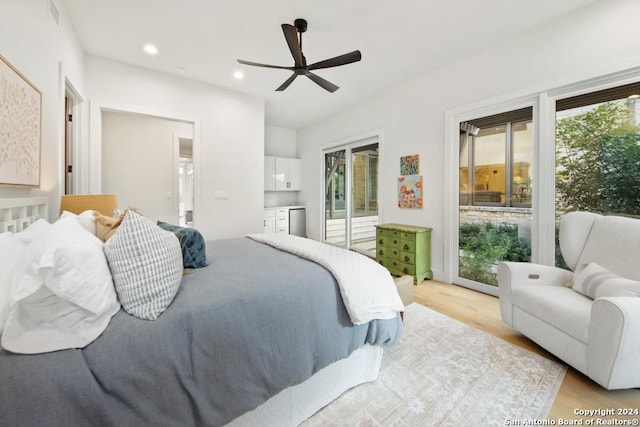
{"x":496,"y":214}
{"x":499,"y":215}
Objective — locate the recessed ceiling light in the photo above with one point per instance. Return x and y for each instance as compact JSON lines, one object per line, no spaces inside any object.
{"x":180,"y":70}
{"x":238,"y":75}
{"x":151,"y":49}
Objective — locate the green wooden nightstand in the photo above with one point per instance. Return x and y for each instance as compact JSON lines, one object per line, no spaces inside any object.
{"x":405,"y":250}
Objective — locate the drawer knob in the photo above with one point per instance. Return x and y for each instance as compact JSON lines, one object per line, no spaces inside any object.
{"x":406,"y":259}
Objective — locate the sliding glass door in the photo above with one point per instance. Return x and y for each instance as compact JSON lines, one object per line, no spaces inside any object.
{"x":335,"y":198}
{"x":351,"y":196}
{"x":495,"y":198}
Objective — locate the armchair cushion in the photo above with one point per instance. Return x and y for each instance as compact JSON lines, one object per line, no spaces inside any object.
{"x":563,"y":307}
{"x":596,"y":281}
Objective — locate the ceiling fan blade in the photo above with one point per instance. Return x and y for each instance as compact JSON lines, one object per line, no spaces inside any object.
{"x":347,"y":58}
{"x":256,"y":64}
{"x":325,"y":84}
{"x":291,"y":35}
{"x":287,"y":82}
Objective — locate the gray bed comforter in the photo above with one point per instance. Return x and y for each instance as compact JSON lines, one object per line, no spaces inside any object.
{"x":255,"y":321}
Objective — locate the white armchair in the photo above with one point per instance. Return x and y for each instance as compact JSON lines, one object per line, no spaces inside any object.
{"x":588,"y":317}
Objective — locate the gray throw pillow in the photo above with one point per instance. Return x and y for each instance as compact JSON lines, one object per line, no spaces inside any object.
{"x":146,"y":265}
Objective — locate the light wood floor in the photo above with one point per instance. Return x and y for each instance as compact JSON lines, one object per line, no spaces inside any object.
{"x":483,"y":312}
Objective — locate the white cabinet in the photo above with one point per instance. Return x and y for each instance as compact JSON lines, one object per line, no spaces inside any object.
{"x":269,"y":220}
{"x":276,"y":220}
{"x":281,"y":174}
{"x":282,"y":220}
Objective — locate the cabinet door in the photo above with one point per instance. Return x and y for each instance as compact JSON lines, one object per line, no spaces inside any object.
{"x":269,"y":173}
{"x":269,"y":224}
{"x":281,"y":174}
{"x":269,"y":220}
{"x":294,"y":175}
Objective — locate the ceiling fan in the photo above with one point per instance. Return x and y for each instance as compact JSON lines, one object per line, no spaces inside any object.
{"x":300,"y":67}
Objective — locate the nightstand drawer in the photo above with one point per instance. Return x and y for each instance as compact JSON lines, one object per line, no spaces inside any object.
{"x":381,"y":232}
{"x":408,"y":236}
{"x":398,"y":268}
{"x":407,"y":257}
{"x":383,"y":252}
{"x":409,"y":269}
{"x":392,"y":265}
{"x":407,"y":245}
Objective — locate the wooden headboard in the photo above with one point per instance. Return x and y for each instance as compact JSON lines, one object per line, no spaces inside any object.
{"x":78,"y":203}
{"x":17,"y":214}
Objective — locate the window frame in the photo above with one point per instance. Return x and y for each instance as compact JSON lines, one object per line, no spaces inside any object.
{"x":543,"y":99}
{"x":508,"y":167}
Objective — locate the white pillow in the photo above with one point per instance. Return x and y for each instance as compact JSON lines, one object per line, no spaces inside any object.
{"x":86,"y":220}
{"x":36,"y":229}
{"x":596,"y":281}
{"x":62,"y":296}
{"x":146,"y":264}
{"x":11,"y":250}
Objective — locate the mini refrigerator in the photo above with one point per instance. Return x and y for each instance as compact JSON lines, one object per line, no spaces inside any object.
{"x":298,"y":222}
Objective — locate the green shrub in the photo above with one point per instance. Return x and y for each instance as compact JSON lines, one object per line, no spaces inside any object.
{"x":482,"y":245}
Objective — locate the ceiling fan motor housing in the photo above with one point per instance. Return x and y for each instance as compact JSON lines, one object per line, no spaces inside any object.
{"x":300,"y":24}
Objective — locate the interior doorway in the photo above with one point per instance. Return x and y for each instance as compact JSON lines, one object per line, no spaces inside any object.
{"x":185,"y":180}
{"x":71,"y":119}
{"x":141,"y":161}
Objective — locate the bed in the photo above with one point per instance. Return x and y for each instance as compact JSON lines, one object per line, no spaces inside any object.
{"x":258,"y":337}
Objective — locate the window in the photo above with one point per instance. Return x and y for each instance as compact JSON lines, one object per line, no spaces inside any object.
{"x":598,"y":153}
{"x":587,"y":157}
{"x":496,"y":160}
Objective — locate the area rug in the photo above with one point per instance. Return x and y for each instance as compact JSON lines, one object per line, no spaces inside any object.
{"x":446,"y":373}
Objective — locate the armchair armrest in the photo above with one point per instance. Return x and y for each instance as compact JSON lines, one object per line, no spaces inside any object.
{"x":512,"y":274}
{"x":614,"y":342}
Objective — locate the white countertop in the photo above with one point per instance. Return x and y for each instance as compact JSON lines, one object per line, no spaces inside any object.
{"x":285,"y":207}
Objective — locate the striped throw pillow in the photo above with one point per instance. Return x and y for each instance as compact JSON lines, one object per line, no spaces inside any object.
{"x":596,"y":281}
{"x":146,"y":265}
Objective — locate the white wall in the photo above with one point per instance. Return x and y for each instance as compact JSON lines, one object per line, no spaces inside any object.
{"x":228,"y":139}
{"x":281,"y":142}
{"x":143,"y":158}
{"x":46,"y":54}
{"x":603,"y":36}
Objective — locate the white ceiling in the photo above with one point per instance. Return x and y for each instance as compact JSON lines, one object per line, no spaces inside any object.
{"x":398,"y":40}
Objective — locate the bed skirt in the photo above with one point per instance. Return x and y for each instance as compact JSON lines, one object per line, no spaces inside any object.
{"x":295,"y":404}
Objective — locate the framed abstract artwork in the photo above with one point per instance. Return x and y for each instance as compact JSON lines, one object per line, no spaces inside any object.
{"x":20,"y":128}
{"x":410,"y":165}
{"x":410,"y":191}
